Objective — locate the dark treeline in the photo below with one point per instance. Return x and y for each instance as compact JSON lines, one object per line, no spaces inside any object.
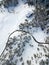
{"x":10,"y":3}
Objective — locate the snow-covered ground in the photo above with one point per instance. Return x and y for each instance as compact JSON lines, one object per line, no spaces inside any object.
{"x":10,"y":22}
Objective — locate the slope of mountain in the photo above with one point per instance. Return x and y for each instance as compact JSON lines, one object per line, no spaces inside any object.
{"x":20,"y":47}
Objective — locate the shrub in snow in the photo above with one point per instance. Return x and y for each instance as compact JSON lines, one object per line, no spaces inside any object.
{"x":46,"y":62}
{"x":42,"y":62}
{"x":47,"y":39}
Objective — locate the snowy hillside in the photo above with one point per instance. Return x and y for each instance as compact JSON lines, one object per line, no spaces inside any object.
{"x":11,"y":21}
{"x":20,"y":48}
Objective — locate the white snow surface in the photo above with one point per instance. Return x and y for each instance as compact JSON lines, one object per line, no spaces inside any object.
{"x":10,"y":22}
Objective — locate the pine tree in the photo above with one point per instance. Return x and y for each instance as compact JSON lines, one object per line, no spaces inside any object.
{"x":41,"y":13}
